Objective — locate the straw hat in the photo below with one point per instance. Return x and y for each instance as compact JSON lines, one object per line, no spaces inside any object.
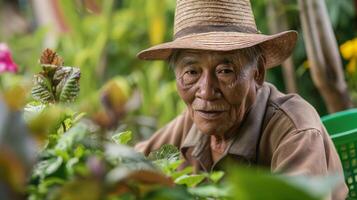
{"x":221,"y":25}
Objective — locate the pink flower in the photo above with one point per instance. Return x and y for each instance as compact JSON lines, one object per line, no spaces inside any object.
{"x":6,"y":62}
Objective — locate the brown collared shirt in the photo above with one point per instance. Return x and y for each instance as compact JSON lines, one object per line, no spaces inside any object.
{"x":281,"y":132}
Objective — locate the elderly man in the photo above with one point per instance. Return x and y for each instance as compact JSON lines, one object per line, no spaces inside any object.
{"x":219,"y":59}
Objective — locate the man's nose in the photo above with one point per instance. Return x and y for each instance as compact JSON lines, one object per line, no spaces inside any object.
{"x":208,"y":87}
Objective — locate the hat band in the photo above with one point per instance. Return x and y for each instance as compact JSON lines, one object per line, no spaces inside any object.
{"x":214,"y":28}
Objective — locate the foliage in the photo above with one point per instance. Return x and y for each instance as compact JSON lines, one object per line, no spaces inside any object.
{"x":261,"y":186}
{"x":78,"y":150}
{"x":55,"y":83}
{"x":122,"y":138}
{"x":76,"y":157}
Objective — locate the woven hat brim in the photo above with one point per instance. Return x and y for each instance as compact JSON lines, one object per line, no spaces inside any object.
{"x":276,"y":48}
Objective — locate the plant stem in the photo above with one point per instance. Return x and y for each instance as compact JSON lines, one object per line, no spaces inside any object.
{"x":64,"y":127}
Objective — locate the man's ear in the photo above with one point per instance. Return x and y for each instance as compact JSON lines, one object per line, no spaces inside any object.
{"x":259,"y":75}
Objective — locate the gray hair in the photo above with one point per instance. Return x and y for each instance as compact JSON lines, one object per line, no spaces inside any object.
{"x":253,"y":53}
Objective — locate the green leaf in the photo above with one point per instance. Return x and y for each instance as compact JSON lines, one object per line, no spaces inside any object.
{"x":60,"y":74}
{"x":49,"y":70}
{"x":42,"y":89}
{"x":122,"y":138}
{"x":33,"y":109}
{"x":77,"y":117}
{"x":167,"y":193}
{"x":166,"y":151}
{"x":47,"y":167}
{"x":168,"y":166}
{"x":49,"y":182}
{"x":185,"y":171}
{"x":210,"y":191}
{"x":54,"y":165}
{"x":255,"y":185}
{"x":127,"y":156}
{"x":216,"y":176}
{"x":68,"y":87}
{"x":190,"y":180}
{"x":74,"y":135}
{"x":79,"y":151}
{"x":70,"y":165}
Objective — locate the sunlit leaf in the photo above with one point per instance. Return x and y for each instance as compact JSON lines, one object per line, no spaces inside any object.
{"x":166,"y":158}
{"x":74,"y":135}
{"x":33,"y":109}
{"x":43,"y":121}
{"x":216,"y":176}
{"x":47,"y":167}
{"x":186,"y":171}
{"x":53,"y":165}
{"x":123,"y":137}
{"x":190,"y":180}
{"x":77,"y":117}
{"x":168,"y":166}
{"x":70,"y":164}
{"x":166,"y":151}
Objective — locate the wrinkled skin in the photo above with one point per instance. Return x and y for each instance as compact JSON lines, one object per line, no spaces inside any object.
{"x":218,"y":88}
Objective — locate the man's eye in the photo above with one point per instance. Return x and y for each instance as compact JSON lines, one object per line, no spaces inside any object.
{"x":191,"y":72}
{"x":190,"y":76}
{"x":225,"y":71}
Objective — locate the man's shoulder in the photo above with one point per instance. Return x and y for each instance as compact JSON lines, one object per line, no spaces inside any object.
{"x":294,"y":109}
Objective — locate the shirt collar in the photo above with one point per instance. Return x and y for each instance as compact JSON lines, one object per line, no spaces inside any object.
{"x":246,"y":142}
{"x":247,"y":138}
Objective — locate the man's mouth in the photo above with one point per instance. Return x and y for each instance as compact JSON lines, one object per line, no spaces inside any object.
{"x":210,"y":114}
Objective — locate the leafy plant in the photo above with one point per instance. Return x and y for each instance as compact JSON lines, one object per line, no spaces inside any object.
{"x":122,"y":138}
{"x":76,"y":157}
{"x":55,"y":83}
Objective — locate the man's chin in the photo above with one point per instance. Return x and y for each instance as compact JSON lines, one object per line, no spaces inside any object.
{"x":210,"y":128}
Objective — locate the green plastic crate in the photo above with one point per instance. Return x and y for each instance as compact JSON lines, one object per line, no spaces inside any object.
{"x":342,"y":127}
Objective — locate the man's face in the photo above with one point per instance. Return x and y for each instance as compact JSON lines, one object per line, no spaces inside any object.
{"x":218,"y":88}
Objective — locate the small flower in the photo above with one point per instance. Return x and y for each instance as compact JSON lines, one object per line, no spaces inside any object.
{"x":6,"y":62}
{"x":349,"y":49}
{"x":352,"y":66}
